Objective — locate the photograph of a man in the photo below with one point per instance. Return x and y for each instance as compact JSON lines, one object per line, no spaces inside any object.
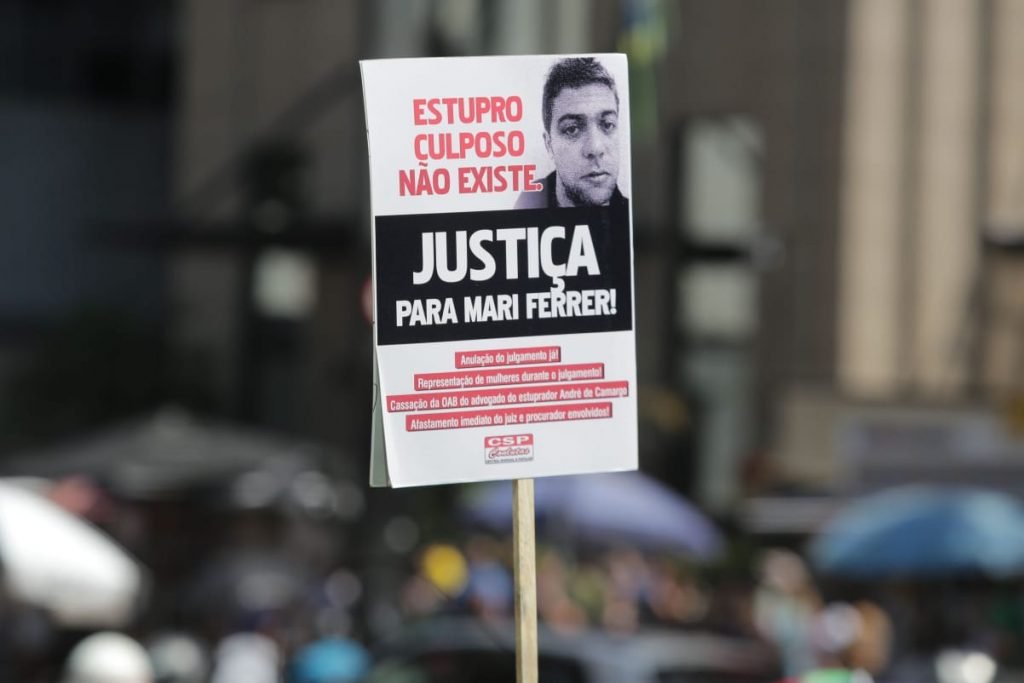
{"x":581,"y":135}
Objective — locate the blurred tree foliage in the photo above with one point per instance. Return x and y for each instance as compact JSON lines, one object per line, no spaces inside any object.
{"x":96,"y":367}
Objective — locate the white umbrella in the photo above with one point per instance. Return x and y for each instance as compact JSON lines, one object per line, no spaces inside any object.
{"x":51,"y":559}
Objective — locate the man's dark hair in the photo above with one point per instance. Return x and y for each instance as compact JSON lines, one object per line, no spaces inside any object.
{"x":574,"y":72}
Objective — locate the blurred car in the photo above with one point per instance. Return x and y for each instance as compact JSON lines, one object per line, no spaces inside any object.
{"x":464,"y":650}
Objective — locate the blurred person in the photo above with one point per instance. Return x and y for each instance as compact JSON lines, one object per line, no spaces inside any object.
{"x":334,"y":659}
{"x":439,"y":579}
{"x":834,"y":631}
{"x":341,"y":595}
{"x":730,"y":608}
{"x":620,"y":615}
{"x":872,"y":650}
{"x":1005,"y":619}
{"x":28,"y":638}
{"x":398,"y":672}
{"x":629,"y":574}
{"x":785,"y":607}
{"x":581,"y":135}
{"x":674,"y":596}
{"x":853,"y":642}
{"x":628,"y":587}
{"x":178,"y":658}
{"x":445,"y":566}
{"x":83,"y":497}
{"x":588,"y":585}
{"x":489,"y":590}
{"x":246,"y":658}
{"x":555,"y":605}
{"x":948,"y":639}
{"x":108,"y":657}
{"x":420,"y":597}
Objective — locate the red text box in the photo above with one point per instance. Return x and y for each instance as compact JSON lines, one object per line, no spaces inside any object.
{"x":508,"y":396}
{"x":509,"y":416}
{"x":534,"y":374}
{"x":495,"y":357}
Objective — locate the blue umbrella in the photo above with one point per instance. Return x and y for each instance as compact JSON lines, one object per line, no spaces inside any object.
{"x":923,"y":531}
{"x":620,"y":507}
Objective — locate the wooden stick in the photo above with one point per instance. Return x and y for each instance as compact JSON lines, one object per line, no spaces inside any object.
{"x":525,"y":560}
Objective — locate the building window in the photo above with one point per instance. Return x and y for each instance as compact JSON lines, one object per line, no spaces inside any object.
{"x":718,"y":223}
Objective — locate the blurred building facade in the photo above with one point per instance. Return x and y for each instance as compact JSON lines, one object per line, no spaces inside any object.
{"x":931,"y":217}
{"x":737,"y":193}
{"x":285,"y":319}
{"x":931,"y":170}
{"x":827,"y":200}
{"x":85,"y":110}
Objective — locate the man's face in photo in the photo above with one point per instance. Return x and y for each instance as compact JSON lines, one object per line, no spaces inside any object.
{"x":583,"y":141}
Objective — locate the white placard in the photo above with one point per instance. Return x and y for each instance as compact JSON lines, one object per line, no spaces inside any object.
{"x":502,"y":267}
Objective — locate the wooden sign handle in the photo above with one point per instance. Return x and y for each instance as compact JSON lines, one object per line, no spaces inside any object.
{"x":525,"y":560}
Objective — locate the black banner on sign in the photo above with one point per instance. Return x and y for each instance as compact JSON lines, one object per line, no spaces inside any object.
{"x":486,"y":274}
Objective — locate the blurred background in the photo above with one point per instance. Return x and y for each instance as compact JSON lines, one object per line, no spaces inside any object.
{"x":829,"y":235}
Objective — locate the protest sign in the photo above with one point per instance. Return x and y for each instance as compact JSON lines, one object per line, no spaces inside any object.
{"x":502,"y":268}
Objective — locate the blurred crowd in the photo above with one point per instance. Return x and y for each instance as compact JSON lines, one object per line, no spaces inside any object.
{"x":266,"y":596}
{"x":891,"y":631}
{"x":943,"y":630}
{"x":618,"y":590}
{"x":229,"y":595}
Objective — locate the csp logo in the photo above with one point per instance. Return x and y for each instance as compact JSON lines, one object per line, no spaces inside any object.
{"x":508,"y":448}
